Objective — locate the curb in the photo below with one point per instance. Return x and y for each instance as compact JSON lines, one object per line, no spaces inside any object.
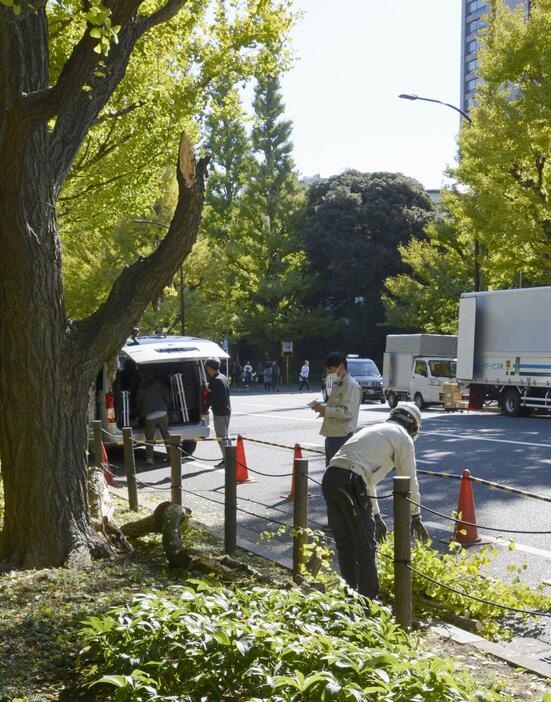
{"x":519,"y":660}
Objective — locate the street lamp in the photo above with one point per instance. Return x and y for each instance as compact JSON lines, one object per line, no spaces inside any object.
{"x":407,"y":96}
{"x":182,"y":310}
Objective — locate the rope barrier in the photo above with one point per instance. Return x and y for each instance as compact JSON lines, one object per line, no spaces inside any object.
{"x":285,"y":446}
{"x":437,"y":474}
{"x":488,"y":483}
{"x":240,"y":509}
{"x":372,"y":497}
{"x":535,"y":613}
{"x":478,"y":526}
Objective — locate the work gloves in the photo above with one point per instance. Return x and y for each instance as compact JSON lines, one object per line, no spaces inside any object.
{"x":418,"y":528}
{"x":381,"y":529}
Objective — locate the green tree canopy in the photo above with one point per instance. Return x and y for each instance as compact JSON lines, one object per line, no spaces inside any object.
{"x":353,"y":226}
{"x":505,"y":153}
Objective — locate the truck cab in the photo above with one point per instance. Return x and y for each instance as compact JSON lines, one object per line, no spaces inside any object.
{"x":416,"y":366}
{"x":427,"y":377}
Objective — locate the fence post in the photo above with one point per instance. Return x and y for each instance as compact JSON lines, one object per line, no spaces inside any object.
{"x":175,"y":469}
{"x":403,"y":595}
{"x":96,"y":426}
{"x":230,"y":501}
{"x":130,"y":468}
{"x":300,"y":514}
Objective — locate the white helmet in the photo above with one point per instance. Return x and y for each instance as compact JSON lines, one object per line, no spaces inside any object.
{"x":409,"y":416}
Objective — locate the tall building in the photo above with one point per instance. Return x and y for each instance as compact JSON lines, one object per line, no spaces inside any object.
{"x":472,"y":21}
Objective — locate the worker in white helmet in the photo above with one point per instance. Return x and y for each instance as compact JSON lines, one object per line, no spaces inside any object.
{"x":349,"y":488}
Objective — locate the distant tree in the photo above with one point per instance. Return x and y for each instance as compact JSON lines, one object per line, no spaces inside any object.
{"x":353,"y":226}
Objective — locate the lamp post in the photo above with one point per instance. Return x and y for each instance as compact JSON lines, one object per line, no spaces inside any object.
{"x":182,"y":308}
{"x":476,"y":243}
{"x":407,"y":96}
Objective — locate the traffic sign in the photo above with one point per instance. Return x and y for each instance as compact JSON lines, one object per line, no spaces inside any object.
{"x":286,"y":347}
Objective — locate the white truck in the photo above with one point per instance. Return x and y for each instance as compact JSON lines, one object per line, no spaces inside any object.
{"x":504,"y":348}
{"x":415,"y":367}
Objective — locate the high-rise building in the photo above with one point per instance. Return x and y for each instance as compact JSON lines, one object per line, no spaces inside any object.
{"x":473,"y":12}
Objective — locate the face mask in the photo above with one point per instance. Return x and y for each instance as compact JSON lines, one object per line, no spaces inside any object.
{"x":334,"y":377}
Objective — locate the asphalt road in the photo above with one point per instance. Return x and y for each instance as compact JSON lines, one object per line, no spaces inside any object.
{"x":514,"y":452}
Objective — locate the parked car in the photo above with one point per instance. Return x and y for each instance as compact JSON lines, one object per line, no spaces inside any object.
{"x":366,"y":374}
{"x":177,"y":361}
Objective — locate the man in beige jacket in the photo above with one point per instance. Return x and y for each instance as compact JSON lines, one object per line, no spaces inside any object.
{"x":340,"y":413}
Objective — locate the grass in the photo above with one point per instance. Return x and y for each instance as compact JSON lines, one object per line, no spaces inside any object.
{"x":41,"y":613}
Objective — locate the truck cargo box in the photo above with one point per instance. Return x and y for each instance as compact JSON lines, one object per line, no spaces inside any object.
{"x":505,"y":337}
{"x":422,"y":344}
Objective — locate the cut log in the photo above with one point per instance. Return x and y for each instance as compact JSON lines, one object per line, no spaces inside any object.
{"x":168,"y":519}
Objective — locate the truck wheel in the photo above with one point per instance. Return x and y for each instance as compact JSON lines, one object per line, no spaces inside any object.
{"x":510,"y":402}
{"x":392,"y":399}
{"x":188,"y":448}
{"x":418,"y":399}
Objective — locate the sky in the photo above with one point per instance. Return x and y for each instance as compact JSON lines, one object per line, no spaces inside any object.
{"x":354,"y":57}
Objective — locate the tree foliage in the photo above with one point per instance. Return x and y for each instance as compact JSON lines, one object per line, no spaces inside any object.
{"x":505,"y":153}
{"x":502,"y":201}
{"x":426,"y":298}
{"x":171,"y":80}
{"x":353,"y":226}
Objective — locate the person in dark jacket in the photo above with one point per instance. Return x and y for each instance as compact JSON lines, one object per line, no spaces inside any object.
{"x":153,"y":400}
{"x":219,"y":402}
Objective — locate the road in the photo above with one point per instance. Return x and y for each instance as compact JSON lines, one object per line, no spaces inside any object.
{"x":514,"y":452}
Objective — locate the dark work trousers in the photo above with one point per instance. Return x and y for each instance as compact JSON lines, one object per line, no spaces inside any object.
{"x":351,"y":520}
{"x":332,"y":445}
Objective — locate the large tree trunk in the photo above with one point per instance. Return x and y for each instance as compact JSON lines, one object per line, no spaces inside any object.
{"x":47,"y":362}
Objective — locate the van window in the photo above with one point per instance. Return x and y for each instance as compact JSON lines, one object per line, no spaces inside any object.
{"x":443,"y":369}
{"x":421,"y":368}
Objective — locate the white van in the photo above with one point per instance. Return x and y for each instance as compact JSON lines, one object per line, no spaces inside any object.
{"x":176,"y":361}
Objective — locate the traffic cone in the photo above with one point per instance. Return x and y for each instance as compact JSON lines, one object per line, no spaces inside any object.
{"x":106,"y":469}
{"x":465,"y":534}
{"x":297,"y":454}
{"x":241,"y":470}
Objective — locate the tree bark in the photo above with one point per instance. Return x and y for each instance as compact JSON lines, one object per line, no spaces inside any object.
{"x":48,"y":362}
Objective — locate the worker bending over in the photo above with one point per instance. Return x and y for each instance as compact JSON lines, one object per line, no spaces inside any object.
{"x":349,"y":488}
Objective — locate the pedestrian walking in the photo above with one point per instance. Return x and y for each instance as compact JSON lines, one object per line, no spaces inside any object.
{"x":349,"y":488}
{"x":304,"y":376}
{"x":153,"y":400}
{"x":235,"y":373}
{"x":268,"y":376}
{"x":248,"y":371}
{"x":260,"y":375}
{"x":219,"y":403}
{"x":276,"y":377}
{"x":340,"y":412}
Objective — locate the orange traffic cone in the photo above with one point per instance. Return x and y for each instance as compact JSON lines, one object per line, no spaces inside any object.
{"x":466,"y":534}
{"x":106,"y":468}
{"x":241,"y":470}
{"x":297,"y":454}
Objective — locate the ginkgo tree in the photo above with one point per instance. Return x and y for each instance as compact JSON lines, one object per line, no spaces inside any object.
{"x":62,"y":64}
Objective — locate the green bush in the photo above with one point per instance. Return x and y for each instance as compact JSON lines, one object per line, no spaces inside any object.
{"x":467,"y":572}
{"x":206,"y":642}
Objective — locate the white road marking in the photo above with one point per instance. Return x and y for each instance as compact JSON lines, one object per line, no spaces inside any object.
{"x":499,"y":541}
{"x":485,"y":438}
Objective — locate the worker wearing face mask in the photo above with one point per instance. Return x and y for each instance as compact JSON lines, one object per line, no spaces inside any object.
{"x":350,"y":491}
{"x":340,"y":412}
